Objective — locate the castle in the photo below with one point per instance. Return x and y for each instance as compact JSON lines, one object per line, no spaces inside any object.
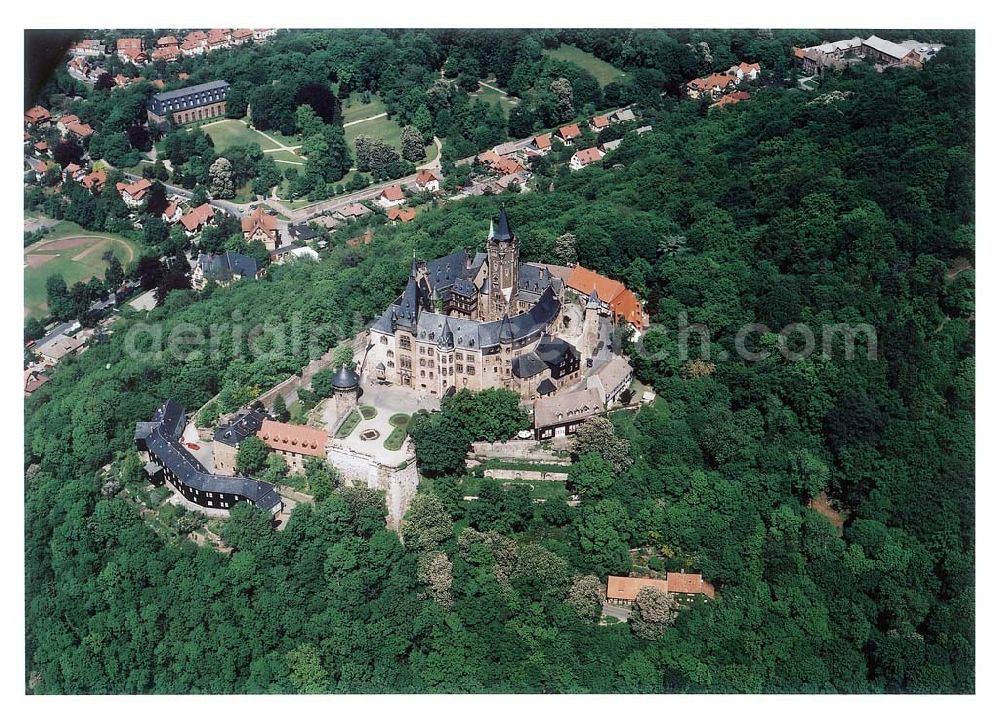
{"x":479,"y":321}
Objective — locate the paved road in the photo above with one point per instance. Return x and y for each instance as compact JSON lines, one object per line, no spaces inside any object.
{"x":619,"y":612}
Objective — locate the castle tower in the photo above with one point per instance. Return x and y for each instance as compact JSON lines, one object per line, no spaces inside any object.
{"x":446,"y":349}
{"x":345,"y":391}
{"x":503,"y":252}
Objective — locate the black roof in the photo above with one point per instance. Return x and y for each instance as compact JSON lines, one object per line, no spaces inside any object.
{"x":444,"y":272}
{"x":345,"y":379}
{"x":190,"y":90}
{"x":527,"y":365}
{"x":447,"y":339}
{"x":244,"y":424}
{"x":160,"y":438}
{"x":302,"y":232}
{"x":227,"y":265}
{"x":546,"y":387}
{"x":503,"y":231}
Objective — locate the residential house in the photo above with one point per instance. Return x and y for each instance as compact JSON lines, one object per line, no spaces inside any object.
{"x":134,"y":193}
{"x":38,"y":167}
{"x":352,"y":211}
{"x":87,"y":47}
{"x":285,"y":253}
{"x":712,"y":85}
{"x":302,"y":232}
{"x":168,"y":41}
{"x":561,"y":414}
{"x":391,"y":196}
{"x":583,"y":158}
{"x":261,"y":225}
{"x":745,"y":71}
{"x":263,"y":34}
{"x":79,"y":130}
{"x":241,"y":36}
{"x":511,"y":148}
{"x":568,"y":133}
{"x":94,"y":181}
{"x":731,"y":99}
{"x":837,"y":54}
{"x":73,"y":172}
{"x":129,"y":50}
{"x":172,"y":213}
{"x":37,"y":116}
{"x":428,"y":182}
{"x":223,"y":269}
{"x":218,"y":39}
{"x":643,"y":129}
{"x":57,"y":348}
{"x":541,"y":144}
{"x":599,"y":123}
{"x":328,"y":222}
{"x":42,"y":148}
{"x":169,"y":54}
{"x":611,"y":145}
{"x":624,"y":115}
{"x":196,"y":219}
{"x":194,"y":43}
{"x":401,"y":215}
{"x":623,"y":590}
{"x":33,"y":380}
{"x":294,"y":443}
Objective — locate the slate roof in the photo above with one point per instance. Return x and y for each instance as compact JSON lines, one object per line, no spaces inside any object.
{"x":162,"y":438}
{"x":243,"y":425}
{"x":345,"y":379}
{"x":227,"y":265}
{"x":191,"y":90}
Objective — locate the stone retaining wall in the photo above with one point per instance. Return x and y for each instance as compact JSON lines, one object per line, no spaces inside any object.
{"x":510,"y":474}
{"x":399,"y":484}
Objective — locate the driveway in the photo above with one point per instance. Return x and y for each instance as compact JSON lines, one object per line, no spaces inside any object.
{"x":619,"y":612}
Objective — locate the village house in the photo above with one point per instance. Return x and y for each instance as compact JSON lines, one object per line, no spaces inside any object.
{"x":616,"y":300}
{"x":401,"y":215}
{"x":223,"y":269}
{"x":561,"y":414}
{"x":57,"y":348}
{"x":194,"y":43}
{"x":167,"y":41}
{"x":568,"y":133}
{"x":94,"y":181}
{"x":731,"y":99}
{"x":73,"y":172}
{"x":261,"y":225}
{"x":294,"y":443}
{"x":129,"y":50}
{"x":169,"y":54}
{"x":582,"y":158}
{"x":218,"y":39}
{"x":351,"y":211}
{"x":428,"y":182}
{"x":37,"y":116}
{"x":624,"y":115}
{"x":610,"y":145}
{"x":33,"y":380}
{"x":599,"y":123}
{"x":87,"y":47}
{"x":263,"y":34}
{"x":745,"y":71}
{"x":623,"y":590}
{"x":79,"y":130}
{"x":391,"y":196}
{"x":541,"y":144}
{"x":242,"y":36}
{"x":134,"y":193}
{"x":38,"y":167}
{"x":712,"y":85}
{"x":172,"y":213}
{"x":286,"y":253}
{"x":42,"y":148}
{"x":194,"y":220}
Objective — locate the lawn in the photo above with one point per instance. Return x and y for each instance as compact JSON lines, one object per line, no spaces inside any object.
{"x":227,"y":133}
{"x":368,"y":412}
{"x":547,"y":490}
{"x":381,"y":128}
{"x":285,"y":157}
{"x":604,"y":72}
{"x":353,"y":109}
{"x":400,"y":422}
{"x":348,"y":426}
{"x":74,"y":253}
{"x":491,"y":96}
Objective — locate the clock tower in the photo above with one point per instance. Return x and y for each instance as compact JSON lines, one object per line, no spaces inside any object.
{"x":503,"y":251}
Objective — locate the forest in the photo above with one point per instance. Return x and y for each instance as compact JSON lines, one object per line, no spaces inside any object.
{"x":795,"y":207}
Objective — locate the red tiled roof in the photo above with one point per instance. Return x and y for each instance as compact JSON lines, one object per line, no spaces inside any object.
{"x":166,"y":53}
{"x":182,"y":76}
{"x":623,"y":588}
{"x":129,"y":44}
{"x":258,"y":219}
{"x":41,"y":145}
{"x":303,"y":440}
{"x":37,"y":114}
{"x":136,"y":189}
{"x":600,"y":121}
{"x":166,"y":41}
{"x":732,"y":98}
{"x":80,"y":129}
{"x":403,"y":215}
{"x":488,"y":157}
{"x":718,"y":80}
{"x":425,"y":176}
{"x":95,"y":180}
{"x":568,"y":132}
{"x":749,"y":67}
{"x":170,"y":209}
{"x":393,"y":193}
{"x":620,"y":299}
{"x":588,"y":156}
{"x":543,"y":141}
{"x":197,"y":217}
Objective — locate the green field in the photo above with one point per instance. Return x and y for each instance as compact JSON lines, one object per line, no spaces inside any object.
{"x":74,"y":253}
{"x":604,"y":72}
{"x":547,"y":490}
{"x":384,"y":129}
{"x":353,"y":109}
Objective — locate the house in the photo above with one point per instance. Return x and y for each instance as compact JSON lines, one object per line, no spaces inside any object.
{"x":428,"y":182}
{"x":134,"y":193}
{"x":611,"y":379}
{"x":643,"y":129}
{"x":87,"y":47}
{"x":623,"y":590}
{"x":391,"y":196}
{"x":285,"y":253}
{"x":218,"y":39}
{"x":925,"y":51}
{"x":194,"y":220}
{"x":328,"y":222}
{"x":616,"y":300}
{"x":94,"y":181}
{"x":837,"y":54}
{"x":583,"y":158}
{"x":561,"y":414}
{"x":38,"y":167}
{"x":541,"y":144}
{"x":508,"y":166}
{"x":261,"y":225}
{"x":168,"y":41}
{"x":172,"y":213}
{"x":302,"y":232}
{"x":713,"y":85}
{"x":352,"y":211}
{"x":568,"y":133}
{"x":194,"y":43}
{"x":79,"y":130}
{"x":37,"y":116}
{"x":489,"y":158}
{"x":223,"y":269}
{"x":511,"y":179}
{"x":401,"y":215}
{"x":230,"y":434}
{"x":121,"y":81}
{"x":599,"y":123}
{"x":186,"y":105}
{"x":57,"y":348}
{"x":168,"y":460}
{"x":611,"y":145}
{"x":129,"y":50}
{"x":42,"y":148}
{"x":263,"y":34}
{"x":73,"y":172}
{"x":169,"y":54}
{"x":33,"y":380}
{"x":241,"y":36}
{"x":745,"y":71}
{"x":294,"y":443}
{"x":885,"y":52}
{"x":510,"y":148}
{"x":625,"y":115}
{"x":731,"y":99}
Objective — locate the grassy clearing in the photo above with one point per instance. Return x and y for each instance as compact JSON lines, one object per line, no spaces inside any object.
{"x":81,"y":262}
{"x":604,"y":72}
{"x":230,"y":133}
{"x":284,"y":158}
{"x":348,"y":426}
{"x":382,"y":128}
{"x":368,"y":412}
{"x":545,"y":490}
{"x":491,"y":96}
{"x":353,"y":109}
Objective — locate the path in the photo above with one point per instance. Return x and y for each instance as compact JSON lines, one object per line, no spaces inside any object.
{"x":365,"y":120}
{"x":493,"y":87}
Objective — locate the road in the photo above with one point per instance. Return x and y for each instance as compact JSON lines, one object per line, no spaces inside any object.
{"x":619,"y":612}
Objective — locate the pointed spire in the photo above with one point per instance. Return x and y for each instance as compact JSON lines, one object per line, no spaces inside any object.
{"x":506,"y":331}
{"x":490,"y":236}
{"x":413,"y":265}
{"x":594,"y":300}
{"x":447,"y":339}
{"x":503,"y":231}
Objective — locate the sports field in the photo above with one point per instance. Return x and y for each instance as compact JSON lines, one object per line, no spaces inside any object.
{"x":604,"y":72}
{"x":72,"y":252}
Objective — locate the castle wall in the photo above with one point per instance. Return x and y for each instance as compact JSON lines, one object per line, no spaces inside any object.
{"x":398,"y":484}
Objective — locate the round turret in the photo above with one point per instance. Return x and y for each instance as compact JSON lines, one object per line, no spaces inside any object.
{"x":345,"y":379}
